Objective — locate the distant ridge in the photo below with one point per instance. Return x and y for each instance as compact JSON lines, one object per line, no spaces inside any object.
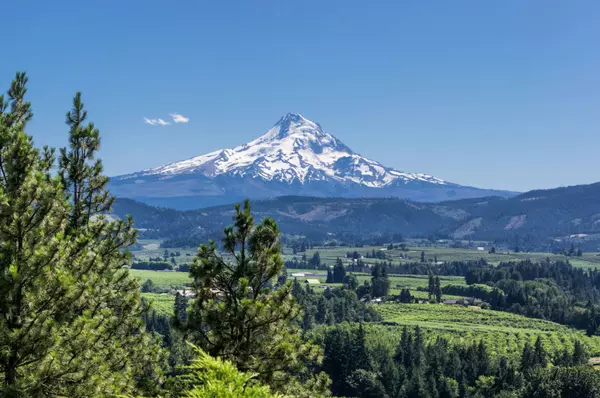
{"x":535,"y":220}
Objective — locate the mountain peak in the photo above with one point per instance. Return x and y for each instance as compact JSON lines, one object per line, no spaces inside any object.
{"x":292,"y":117}
{"x":295,"y":150}
{"x":292,"y":123}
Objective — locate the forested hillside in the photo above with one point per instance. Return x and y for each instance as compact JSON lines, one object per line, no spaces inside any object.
{"x":536,"y":220}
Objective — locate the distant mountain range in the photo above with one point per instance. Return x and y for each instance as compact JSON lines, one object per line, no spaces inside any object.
{"x":295,"y":157}
{"x":534,"y":220}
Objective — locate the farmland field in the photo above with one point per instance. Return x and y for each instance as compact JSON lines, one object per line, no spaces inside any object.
{"x":397,"y":282}
{"x":330,"y":254}
{"x":163,"y":279}
{"x":503,"y":332}
{"x":161,"y":303}
{"x":151,"y":248}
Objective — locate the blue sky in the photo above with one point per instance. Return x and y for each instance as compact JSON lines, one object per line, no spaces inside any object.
{"x":499,"y":94}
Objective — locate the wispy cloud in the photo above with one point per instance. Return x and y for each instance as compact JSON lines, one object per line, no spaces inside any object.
{"x":177,"y":118}
{"x":154,"y":122}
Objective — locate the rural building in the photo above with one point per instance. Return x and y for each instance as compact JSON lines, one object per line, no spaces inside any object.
{"x":185,"y":293}
{"x":464,"y":301}
{"x":312,"y":281}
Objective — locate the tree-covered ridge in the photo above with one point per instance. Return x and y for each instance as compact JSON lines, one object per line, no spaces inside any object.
{"x":527,"y":221}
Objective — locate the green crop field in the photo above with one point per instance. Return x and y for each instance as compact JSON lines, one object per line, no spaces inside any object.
{"x":161,"y":303}
{"x":330,"y":254}
{"x":397,"y":282}
{"x":163,"y":279}
{"x":151,"y":248}
{"x":504,"y":333}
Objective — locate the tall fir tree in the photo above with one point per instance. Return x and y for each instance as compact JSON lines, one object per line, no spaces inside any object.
{"x":339,"y":271}
{"x":380,"y":280}
{"x":437,"y":288}
{"x":70,"y":315}
{"x":431,"y":286}
{"x":236,"y":315}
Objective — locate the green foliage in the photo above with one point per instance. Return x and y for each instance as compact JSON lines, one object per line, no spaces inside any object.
{"x":236,"y":315}
{"x":69,"y":312}
{"x":339,"y":271}
{"x":505,"y":334}
{"x":380,"y":281}
{"x":564,"y":382}
{"x":216,"y":378}
{"x":333,"y":306}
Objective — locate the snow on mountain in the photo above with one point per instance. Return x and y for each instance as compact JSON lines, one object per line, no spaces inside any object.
{"x":294,"y":150}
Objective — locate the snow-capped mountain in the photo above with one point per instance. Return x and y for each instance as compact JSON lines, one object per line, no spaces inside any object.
{"x":294,"y":149}
{"x":294,"y":157}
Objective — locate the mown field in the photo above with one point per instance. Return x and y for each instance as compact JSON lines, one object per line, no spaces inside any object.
{"x":398,"y":282}
{"x":163,"y":279}
{"x":330,"y":254}
{"x":151,"y":248}
{"x":504,"y":333}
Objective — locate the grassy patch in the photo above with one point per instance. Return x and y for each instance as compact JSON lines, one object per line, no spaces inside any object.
{"x":163,"y":279}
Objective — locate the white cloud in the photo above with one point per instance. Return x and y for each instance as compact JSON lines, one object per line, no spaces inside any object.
{"x":154,"y":122}
{"x":177,"y":118}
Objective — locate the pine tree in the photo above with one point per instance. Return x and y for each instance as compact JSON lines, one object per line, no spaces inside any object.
{"x":405,"y":296}
{"x":329,"y":276}
{"x":70,"y":320}
{"x":180,"y":309}
{"x":350,"y":282}
{"x":580,"y":357}
{"x":539,"y":353}
{"x":431,"y":286}
{"x":236,"y":316}
{"x":380,"y":281}
{"x":213,"y":377}
{"x":339,"y":271}
{"x":437,"y":290}
{"x":527,"y":358}
{"x":315,"y":261}
{"x":422,"y":256}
